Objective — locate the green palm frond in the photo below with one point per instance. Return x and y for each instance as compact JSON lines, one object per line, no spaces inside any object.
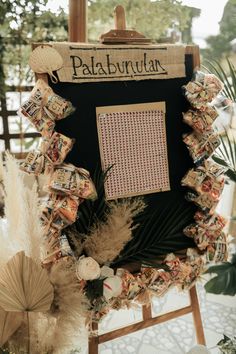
{"x":229,"y":79}
{"x":92,"y":211}
{"x":225,"y":155}
{"x":225,"y":281}
{"x":159,"y":233}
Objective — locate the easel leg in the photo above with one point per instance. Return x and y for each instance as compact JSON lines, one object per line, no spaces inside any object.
{"x":197,"y":316}
{"x":147,"y":311}
{"x":93,"y":340}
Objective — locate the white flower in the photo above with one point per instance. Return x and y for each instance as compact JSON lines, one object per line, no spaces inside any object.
{"x":112,"y":287}
{"x":87,"y":268}
{"x":107,"y":272}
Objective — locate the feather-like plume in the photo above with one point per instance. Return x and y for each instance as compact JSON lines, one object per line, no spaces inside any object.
{"x":7,"y":250}
{"x":1,"y":167}
{"x":107,"y":239}
{"x":22,"y":211}
{"x":70,"y":308}
{"x":31,"y":226}
{"x":13,"y":185}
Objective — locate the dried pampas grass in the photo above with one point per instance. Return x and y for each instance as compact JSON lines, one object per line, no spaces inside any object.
{"x":13,"y":185}
{"x":1,"y":167}
{"x":107,"y":239}
{"x":70,"y":308}
{"x":33,"y":339}
{"x":22,"y":212}
{"x":7,"y":250}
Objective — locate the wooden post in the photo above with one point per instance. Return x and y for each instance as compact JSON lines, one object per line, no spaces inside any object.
{"x":120,"y":23}
{"x":77,"y":20}
{"x":147,"y":311}
{"x":93,"y":339}
{"x":197,"y":316}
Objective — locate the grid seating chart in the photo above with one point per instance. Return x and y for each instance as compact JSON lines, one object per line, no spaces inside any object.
{"x":132,"y":142}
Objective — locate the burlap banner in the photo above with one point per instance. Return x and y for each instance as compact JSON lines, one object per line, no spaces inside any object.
{"x":92,"y":63}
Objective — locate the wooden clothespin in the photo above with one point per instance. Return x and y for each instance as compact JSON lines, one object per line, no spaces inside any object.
{"x":120,"y":34}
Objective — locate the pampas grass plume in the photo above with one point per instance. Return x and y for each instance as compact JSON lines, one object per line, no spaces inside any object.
{"x":107,"y":239}
{"x":70,"y":308}
{"x":21,"y":211}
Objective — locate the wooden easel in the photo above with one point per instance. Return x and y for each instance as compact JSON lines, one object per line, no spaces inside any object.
{"x":78,"y":33}
{"x":95,"y":339}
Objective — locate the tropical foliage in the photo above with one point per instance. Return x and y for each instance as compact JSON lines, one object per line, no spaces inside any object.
{"x":226,"y":75}
{"x":226,"y":153}
{"x":227,"y":345}
{"x":225,"y":281}
{"x":162,"y":227}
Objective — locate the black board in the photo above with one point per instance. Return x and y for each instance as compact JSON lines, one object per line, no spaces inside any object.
{"x":82,"y":126}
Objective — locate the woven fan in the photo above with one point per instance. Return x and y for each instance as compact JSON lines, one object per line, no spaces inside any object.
{"x":9,"y":323}
{"x":24,"y":286}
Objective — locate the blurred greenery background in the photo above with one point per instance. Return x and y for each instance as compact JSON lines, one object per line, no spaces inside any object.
{"x":23,"y":22}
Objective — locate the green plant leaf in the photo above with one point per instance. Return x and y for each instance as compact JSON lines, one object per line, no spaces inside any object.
{"x":159,"y":233}
{"x":225,"y":281}
{"x":92,"y":211}
{"x":225,"y":155}
{"x":215,"y":67}
{"x":231,"y":174}
{"x":94,"y":289}
{"x":219,"y":161}
{"x":233,"y":77}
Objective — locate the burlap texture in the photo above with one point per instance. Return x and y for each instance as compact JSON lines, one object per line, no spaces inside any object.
{"x":96,"y":63}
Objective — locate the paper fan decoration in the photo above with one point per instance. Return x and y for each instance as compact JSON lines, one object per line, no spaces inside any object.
{"x":45,"y":59}
{"x":9,"y":323}
{"x":24,"y":286}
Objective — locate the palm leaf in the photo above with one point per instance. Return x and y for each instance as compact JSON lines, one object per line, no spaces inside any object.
{"x":233,"y":78}
{"x":90,"y":212}
{"x":225,"y":155}
{"x":159,"y":233}
{"x":225,"y":281}
{"x":229,"y":81}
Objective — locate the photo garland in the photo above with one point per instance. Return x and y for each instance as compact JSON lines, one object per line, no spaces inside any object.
{"x":68,"y":187}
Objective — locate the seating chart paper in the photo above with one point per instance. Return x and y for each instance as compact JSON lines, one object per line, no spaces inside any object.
{"x":132,"y":139}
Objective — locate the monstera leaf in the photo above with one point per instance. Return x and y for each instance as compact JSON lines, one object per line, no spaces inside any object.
{"x":225,"y":280}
